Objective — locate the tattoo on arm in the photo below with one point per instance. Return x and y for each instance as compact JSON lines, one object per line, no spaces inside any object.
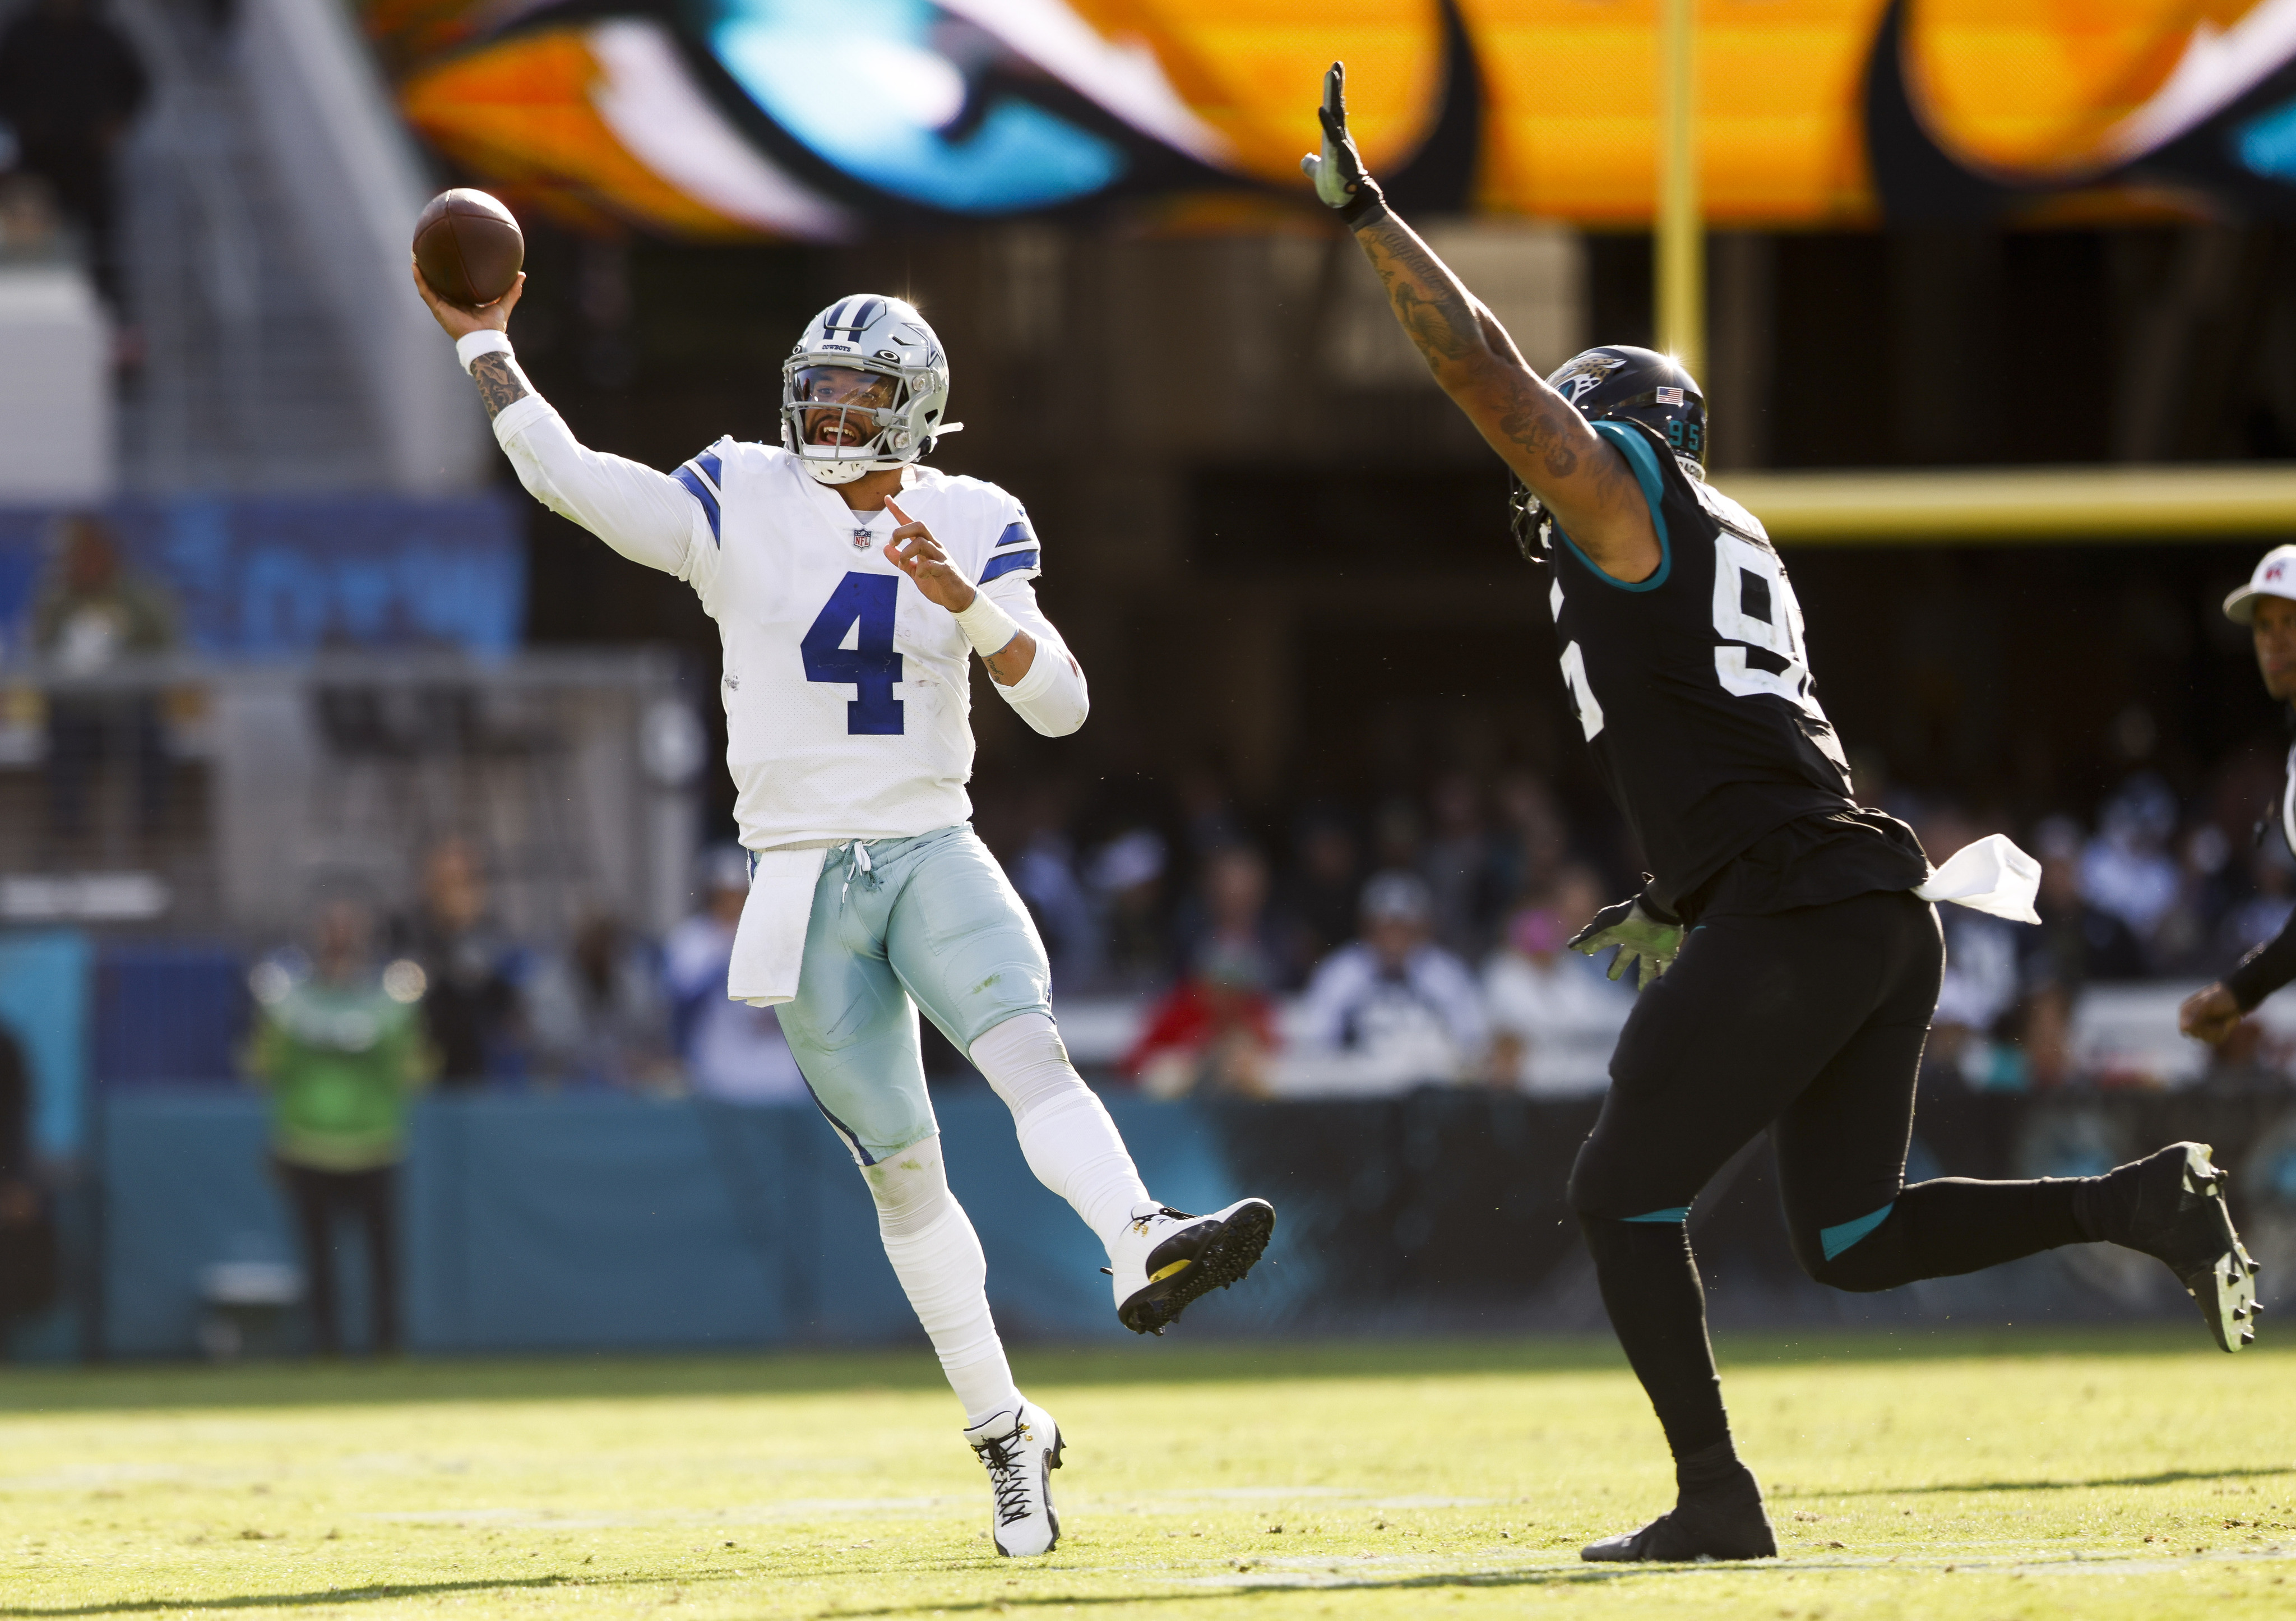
{"x":1531,"y":421}
{"x":1534,"y":428}
{"x":499,"y":382}
{"x":1011,"y":662}
{"x":1440,"y":316}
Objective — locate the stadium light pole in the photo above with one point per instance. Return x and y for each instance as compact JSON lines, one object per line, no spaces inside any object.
{"x":1681,"y":235}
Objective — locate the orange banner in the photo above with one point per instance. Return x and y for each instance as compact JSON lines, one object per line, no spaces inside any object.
{"x":776,"y":117}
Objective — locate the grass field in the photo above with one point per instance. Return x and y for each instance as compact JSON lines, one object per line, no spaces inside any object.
{"x":2104,"y":1474}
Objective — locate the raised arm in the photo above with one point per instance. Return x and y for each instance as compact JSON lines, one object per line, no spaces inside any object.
{"x":645,"y":516}
{"x":1585,"y":481}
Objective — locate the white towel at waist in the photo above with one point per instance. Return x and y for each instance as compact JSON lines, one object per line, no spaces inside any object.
{"x":1990,"y":875}
{"x":769,"y":944}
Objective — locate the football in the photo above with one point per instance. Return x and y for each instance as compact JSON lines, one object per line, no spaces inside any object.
{"x":468,"y":247}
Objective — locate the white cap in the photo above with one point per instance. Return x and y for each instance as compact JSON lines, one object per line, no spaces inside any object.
{"x":1396,"y":897}
{"x":2275,"y":576}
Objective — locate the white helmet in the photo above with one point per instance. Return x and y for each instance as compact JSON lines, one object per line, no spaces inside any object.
{"x":864,"y":390}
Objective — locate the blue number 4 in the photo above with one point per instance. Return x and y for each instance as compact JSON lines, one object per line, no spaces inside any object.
{"x":870,"y":665}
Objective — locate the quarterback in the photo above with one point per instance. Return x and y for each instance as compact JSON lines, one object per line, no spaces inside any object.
{"x":851,"y":585}
{"x":1789,"y":954}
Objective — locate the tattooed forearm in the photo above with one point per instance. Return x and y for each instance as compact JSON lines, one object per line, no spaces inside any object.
{"x":1011,"y":662}
{"x":499,"y":382}
{"x":1440,"y":316}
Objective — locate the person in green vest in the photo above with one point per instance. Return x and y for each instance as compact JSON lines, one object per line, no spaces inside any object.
{"x":341,"y":1049}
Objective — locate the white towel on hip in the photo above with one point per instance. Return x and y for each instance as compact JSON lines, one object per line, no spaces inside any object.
{"x":769,"y":944}
{"x":1991,"y":875}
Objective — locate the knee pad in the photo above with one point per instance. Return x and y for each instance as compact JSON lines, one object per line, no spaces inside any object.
{"x":1026,"y":1064}
{"x":911,"y":1189}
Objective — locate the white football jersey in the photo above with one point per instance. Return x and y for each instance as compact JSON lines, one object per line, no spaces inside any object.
{"x":848,"y":692}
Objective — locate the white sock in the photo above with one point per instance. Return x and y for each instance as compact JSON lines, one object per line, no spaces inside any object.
{"x":937,"y":1256}
{"x":1065,"y":1133}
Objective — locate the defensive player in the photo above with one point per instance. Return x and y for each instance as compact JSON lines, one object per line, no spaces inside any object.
{"x":851,"y":584}
{"x":1805,"y":960}
{"x":2267,"y":606}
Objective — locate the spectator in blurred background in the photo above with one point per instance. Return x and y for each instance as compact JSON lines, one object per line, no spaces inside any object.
{"x":473,"y":1012}
{"x":2209,"y":884}
{"x":1043,"y":873}
{"x":731,"y":1051}
{"x":340,"y":1049}
{"x":1228,"y":913}
{"x":1531,"y":841}
{"x":70,"y":85}
{"x":596,"y":1013}
{"x":1126,"y":876}
{"x":1456,"y":861}
{"x":2077,"y":941}
{"x":1214,"y":1032}
{"x":1409,"y":1010}
{"x":1555,"y":1014}
{"x":92,"y":612}
{"x":1320,"y":894}
{"x":2127,"y":869}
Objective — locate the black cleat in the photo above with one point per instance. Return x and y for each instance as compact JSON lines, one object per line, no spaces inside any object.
{"x":1723,"y":1522}
{"x":1165,"y":1258}
{"x":2172,"y":1207}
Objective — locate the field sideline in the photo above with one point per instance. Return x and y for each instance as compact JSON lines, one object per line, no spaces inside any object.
{"x":2100,"y":1472}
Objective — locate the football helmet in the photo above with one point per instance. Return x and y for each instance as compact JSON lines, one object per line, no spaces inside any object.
{"x":1619,"y":380}
{"x":864,"y":390}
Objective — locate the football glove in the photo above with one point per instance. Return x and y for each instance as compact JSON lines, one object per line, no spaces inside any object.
{"x":1644,"y":936}
{"x":1342,"y":182}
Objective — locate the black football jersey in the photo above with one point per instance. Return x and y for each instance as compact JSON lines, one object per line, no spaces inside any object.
{"x":1694,"y":691}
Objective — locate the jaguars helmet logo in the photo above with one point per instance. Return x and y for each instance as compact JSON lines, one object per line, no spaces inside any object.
{"x":1584,"y":374}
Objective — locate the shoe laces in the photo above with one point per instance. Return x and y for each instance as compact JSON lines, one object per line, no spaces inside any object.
{"x":1145,"y":1216}
{"x":1008,"y":1475}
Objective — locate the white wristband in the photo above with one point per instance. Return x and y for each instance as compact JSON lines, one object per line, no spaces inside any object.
{"x":485,"y":340}
{"x":988,"y":627}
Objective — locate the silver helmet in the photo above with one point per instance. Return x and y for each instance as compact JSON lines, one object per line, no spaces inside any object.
{"x":864,"y":390}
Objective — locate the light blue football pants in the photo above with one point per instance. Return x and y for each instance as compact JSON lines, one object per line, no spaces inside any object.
{"x":898,"y":924}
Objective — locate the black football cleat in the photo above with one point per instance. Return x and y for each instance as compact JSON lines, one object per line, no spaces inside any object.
{"x":1164,"y":1258}
{"x":1722,"y":1522}
{"x":2172,"y":1207}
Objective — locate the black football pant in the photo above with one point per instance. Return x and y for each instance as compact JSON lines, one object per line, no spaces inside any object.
{"x":321,"y":1199}
{"x":1808,"y":1024}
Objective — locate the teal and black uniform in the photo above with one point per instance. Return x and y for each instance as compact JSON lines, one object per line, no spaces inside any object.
{"x":1803,"y":993}
{"x":1694,"y":691}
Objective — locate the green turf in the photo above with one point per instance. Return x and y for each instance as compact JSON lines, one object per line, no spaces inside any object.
{"x":2099,"y":1474}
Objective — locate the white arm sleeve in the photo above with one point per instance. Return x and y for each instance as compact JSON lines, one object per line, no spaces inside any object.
{"x":1051,"y":697}
{"x":645,"y":516}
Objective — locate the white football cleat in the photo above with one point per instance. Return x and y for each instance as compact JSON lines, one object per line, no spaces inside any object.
{"x":1165,"y":1258}
{"x":1021,"y":1449}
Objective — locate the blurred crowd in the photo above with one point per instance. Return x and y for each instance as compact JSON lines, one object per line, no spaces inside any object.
{"x":1418,"y":940}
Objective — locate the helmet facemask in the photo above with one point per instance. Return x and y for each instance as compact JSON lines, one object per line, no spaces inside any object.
{"x":844,"y":420}
{"x":864,"y":390}
{"x":847,"y":419}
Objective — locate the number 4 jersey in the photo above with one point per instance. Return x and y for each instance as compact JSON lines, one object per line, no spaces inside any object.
{"x":1694,"y":692}
{"x":848,"y":692}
